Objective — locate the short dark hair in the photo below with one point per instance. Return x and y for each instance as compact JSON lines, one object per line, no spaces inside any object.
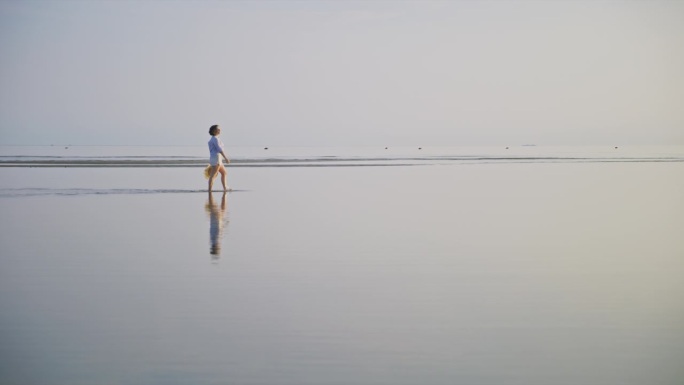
{"x":212,"y":129}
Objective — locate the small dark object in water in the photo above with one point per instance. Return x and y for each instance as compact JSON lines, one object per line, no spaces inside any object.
{"x":385,"y":148}
{"x":265,"y":148}
{"x":616,"y":147}
{"x":420,"y":148}
{"x":506,"y":148}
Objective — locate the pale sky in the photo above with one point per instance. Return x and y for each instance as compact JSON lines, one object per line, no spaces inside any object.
{"x":342,"y":72}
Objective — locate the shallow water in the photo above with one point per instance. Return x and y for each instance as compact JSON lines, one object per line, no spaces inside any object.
{"x":193,"y":156}
{"x":477,"y":273}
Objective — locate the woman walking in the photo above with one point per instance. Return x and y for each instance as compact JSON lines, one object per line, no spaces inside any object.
{"x":215,"y":151}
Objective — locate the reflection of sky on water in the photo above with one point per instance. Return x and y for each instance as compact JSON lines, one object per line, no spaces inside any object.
{"x":542,"y":274}
{"x":191,"y":156}
{"x":217,"y":223}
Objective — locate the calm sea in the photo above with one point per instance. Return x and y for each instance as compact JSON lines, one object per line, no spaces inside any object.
{"x":434,"y":265}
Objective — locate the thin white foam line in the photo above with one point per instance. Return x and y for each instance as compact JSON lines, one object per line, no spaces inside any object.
{"x":32,"y":192}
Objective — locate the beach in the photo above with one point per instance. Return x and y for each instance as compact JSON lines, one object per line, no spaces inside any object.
{"x":429,"y":267}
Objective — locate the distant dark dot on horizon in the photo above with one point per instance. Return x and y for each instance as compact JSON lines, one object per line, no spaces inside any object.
{"x":506,"y":148}
{"x":420,"y":148}
{"x":616,"y":147}
{"x":265,"y":148}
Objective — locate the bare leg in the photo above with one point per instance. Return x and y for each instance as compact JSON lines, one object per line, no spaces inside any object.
{"x":224,"y":175}
{"x":212,"y":174}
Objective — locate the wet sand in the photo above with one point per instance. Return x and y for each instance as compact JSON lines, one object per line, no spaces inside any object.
{"x":509,"y":273}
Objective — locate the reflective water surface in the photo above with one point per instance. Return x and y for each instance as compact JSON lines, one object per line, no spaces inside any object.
{"x":486,"y":273}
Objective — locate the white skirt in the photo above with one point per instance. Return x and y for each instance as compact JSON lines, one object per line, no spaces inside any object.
{"x":214,"y":160}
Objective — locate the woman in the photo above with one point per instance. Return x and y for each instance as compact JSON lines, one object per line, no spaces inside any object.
{"x":216,"y":149}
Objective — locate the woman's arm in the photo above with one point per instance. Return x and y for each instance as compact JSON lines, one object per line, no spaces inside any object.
{"x":225,"y":157}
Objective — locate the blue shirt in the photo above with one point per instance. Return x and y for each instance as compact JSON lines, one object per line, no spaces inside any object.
{"x":215,"y":146}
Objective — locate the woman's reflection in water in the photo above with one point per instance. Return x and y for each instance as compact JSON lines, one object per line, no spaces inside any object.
{"x":216,"y":224}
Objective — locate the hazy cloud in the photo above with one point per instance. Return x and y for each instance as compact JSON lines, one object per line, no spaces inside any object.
{"x":342,"y":72}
